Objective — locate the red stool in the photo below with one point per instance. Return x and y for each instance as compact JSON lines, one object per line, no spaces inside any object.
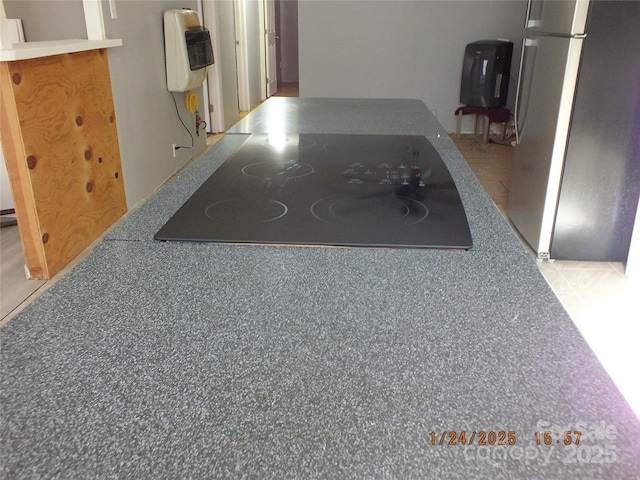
{"x":492,"y":115}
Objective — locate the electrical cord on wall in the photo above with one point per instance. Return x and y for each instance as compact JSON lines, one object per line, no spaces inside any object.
{"x":173,"y":95}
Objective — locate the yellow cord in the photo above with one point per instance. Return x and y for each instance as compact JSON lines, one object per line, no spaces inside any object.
{"x":192,"y":102}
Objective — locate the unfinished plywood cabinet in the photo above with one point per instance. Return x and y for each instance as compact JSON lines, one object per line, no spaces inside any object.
{"x":61,"y":148}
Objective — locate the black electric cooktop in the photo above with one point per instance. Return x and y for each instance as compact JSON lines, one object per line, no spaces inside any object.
{"x":319,"y":189}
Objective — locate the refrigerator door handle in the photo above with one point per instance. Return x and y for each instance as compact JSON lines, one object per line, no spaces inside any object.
{"x":517,"y":114}
{"x":560,"y":35}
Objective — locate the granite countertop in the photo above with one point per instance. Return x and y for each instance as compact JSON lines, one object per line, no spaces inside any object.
{"x":166,"y":360}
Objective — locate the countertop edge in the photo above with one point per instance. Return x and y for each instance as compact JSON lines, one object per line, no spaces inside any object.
{"x":29,"y":50}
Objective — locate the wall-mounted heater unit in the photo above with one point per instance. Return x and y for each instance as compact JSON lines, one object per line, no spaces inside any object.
{"x":187,"y":48}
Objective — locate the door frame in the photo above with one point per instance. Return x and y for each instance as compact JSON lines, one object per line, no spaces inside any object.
{"x":269,"y":86}
{"x":242,"y":55}
{"x":215,"y":106}
{"x":262,"y":19}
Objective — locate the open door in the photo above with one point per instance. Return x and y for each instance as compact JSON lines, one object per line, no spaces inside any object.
{"x":222,"y":82}
{"x":270,"y":42}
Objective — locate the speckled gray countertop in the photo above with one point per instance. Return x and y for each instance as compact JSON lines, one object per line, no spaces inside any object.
{"x":179,"y":360}
{"x":341,"y":115}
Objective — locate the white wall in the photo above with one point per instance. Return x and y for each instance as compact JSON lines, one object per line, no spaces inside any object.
{"x":399,"y":49}
{"x":47,"y":20}
{"x":6,"y":200}
{"x":145,"y":113}
{"x":633,"y":261}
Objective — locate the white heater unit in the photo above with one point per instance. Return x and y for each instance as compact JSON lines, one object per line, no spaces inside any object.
{"x":188,"y":51}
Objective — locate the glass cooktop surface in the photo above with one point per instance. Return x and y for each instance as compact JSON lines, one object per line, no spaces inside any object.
{"x":327,"y":189}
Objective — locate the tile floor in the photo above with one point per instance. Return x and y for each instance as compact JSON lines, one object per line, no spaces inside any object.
{"x":605,"y":307}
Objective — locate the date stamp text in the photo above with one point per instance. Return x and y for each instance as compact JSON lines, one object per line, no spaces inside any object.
{"x":575,"y":443}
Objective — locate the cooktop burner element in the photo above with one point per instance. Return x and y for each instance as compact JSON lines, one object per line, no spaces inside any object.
{"x":388,"y":210}
{"x":240,"y":210}
{"x":319,"y":189}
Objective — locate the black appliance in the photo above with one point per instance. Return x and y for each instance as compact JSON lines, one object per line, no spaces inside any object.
{"x":199,"y":48}
{"x":327,"y":189}
{"x":485,"y":73}
{"x":576,"y":169}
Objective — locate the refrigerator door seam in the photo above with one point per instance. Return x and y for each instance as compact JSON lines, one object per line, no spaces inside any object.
{"x":527,"y":16}
{"x":560,"y":144}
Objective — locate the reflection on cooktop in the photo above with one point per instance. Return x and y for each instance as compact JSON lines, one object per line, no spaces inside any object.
{"x":319,"y":189}
{"x":276,"y":169}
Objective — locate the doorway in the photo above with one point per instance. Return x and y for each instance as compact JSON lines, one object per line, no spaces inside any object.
{"x":222,"y":80}
{"x":279,"y":48}
{"x":286,"y":20}
{"x":256,"y":56}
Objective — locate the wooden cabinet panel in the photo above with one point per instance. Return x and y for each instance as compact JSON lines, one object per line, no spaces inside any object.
{"x":62,"y":153}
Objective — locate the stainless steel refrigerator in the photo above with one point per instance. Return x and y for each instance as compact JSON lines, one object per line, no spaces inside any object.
{"x":576,"y":169}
